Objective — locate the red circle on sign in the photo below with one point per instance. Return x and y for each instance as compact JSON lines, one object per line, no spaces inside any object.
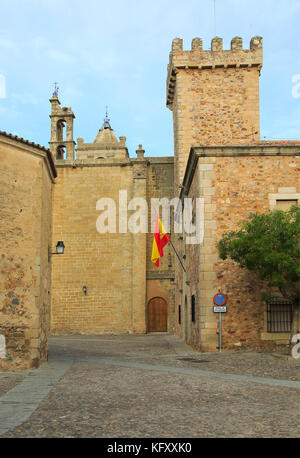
{"x":220,"y":299}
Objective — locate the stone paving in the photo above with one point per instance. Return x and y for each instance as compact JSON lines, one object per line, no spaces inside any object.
{"x":150,"y":386}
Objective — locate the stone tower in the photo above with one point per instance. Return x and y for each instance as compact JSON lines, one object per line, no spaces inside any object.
{"x":62,"y":145}
{"x":214,"y":96}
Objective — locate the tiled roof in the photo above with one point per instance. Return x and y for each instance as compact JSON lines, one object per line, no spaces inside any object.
{"x":34,"y":145}
{"x":20,"y":139}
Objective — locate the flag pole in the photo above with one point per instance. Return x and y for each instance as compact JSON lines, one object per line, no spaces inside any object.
{"x":177,"y":254}
{"x":157,"y":213}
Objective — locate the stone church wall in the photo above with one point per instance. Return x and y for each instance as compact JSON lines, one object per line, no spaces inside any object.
{"x":115,"y":268}
{"x":103,"y":263}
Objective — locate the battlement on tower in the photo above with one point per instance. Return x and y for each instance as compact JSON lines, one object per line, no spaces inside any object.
{"x":215,"y":57}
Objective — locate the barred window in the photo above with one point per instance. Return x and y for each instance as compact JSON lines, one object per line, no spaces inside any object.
{"x":179,"y":314}
{"x":279,"y":316}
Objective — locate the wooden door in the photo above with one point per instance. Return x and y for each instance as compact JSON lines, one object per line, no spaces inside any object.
{"x":157,"y":315}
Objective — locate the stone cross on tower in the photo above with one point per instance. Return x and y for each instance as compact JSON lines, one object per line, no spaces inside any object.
{"x":56,"y":87}
{"x":106,"y":124}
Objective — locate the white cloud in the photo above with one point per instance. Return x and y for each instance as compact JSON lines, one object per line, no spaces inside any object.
{"x":46,"y":49}
{"x":60,"y":56}
{"x":39,"y":42}
{"x":26,"y":98}
{"x":70,"y":92}
{"x":9,"y":46}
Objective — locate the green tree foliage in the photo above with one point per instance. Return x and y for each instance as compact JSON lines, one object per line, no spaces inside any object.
{"x":268,"y":244}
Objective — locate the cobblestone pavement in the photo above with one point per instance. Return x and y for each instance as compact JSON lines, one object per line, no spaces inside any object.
{"x":152,"y":386}
{"x":9,"y":380}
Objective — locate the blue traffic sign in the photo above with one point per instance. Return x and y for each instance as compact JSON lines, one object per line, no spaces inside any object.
{"x":220,"y":299}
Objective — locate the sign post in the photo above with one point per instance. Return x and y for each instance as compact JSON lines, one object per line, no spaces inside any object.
{"x":220,"y":331}
{"x":220,"y":300}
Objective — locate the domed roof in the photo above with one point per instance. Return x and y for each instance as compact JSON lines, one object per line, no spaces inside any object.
{"x":106,"y":136}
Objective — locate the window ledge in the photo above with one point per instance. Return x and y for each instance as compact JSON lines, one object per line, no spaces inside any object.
{"x":281,"y":337}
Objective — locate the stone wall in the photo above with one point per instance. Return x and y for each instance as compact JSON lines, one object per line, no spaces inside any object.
{"x":235,"y":182}
{"x":115,"y":268}
{"x":191,"y":280}
{"x":26,"y":178}
{"x":101,"y":262}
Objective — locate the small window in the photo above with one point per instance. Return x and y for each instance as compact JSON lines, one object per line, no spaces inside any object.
{"x":193,"y":308}
{"x":285,"y":205}
{"x":279,"y":316}
{"x":179,"y":314}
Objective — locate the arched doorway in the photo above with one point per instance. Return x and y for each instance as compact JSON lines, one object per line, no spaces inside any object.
{"x":157,"y":315}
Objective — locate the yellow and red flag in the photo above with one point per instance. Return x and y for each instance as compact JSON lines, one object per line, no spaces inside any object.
{"x":160,"y":240}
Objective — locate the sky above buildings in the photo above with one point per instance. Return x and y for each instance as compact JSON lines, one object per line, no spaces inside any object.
{"x":115,"y":53}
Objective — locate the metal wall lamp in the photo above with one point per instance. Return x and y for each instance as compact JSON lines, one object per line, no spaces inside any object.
{"x":60,"y":248}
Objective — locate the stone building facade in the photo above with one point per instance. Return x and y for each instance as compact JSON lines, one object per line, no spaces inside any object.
{"x":219,"y":158}
{"x":233,"y":181}
{"x":27,"y":176}
{"x":105,"y":282}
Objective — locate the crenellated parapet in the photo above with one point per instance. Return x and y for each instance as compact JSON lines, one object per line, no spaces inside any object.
{"x":215,"y":57}
{"x":213,"y":94}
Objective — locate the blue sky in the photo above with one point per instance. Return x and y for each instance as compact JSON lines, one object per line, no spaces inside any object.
{"x":116,"y":53}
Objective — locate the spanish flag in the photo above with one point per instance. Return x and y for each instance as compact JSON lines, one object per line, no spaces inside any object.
{"x":160,"y":240}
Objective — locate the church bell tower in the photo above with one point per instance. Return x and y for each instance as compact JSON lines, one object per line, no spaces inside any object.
{"x":62,"y":145}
